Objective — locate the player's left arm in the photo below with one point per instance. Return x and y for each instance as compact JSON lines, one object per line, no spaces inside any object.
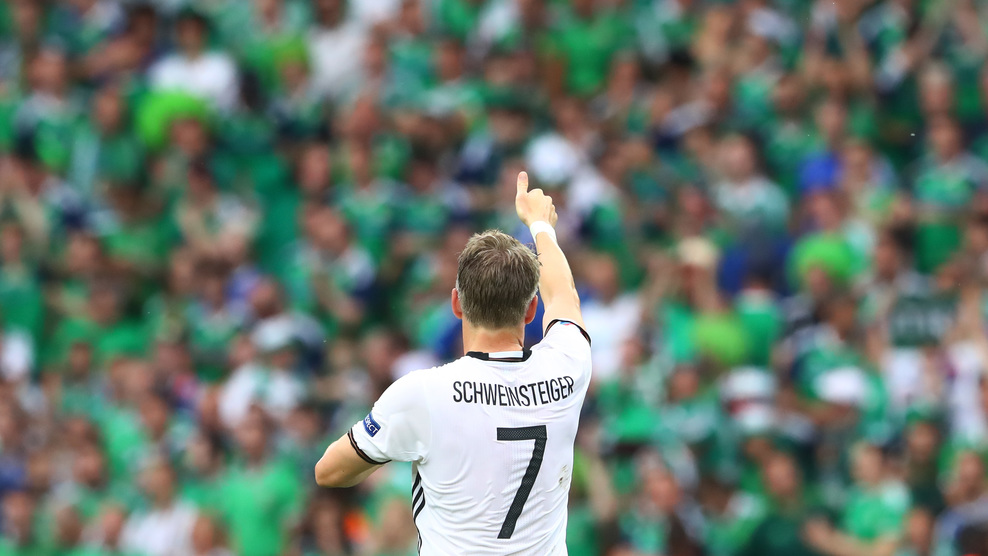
{"x":341,"y":466}
{"x":397,"y":428}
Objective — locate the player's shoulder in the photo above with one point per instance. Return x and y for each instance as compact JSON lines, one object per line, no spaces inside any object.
{"x":411,"y":391}
{"x":423,"y":378}
{"x":565,"y":337}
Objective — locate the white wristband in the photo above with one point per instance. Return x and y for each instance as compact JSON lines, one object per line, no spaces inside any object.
{"x":543,"y":226}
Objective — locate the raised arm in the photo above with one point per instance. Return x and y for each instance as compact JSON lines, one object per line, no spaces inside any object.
{"x":556,"y":285}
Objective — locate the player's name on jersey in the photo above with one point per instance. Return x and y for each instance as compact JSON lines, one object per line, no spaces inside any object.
{"x":526,"y":395}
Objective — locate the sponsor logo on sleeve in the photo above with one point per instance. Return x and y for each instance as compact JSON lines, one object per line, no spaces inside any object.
{"x":370,"y":425}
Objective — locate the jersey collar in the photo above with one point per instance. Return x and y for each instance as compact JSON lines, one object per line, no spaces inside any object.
{"x":502,"y":356}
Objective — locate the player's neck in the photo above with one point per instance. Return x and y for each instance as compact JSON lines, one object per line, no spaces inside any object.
{"x":492,"y":341}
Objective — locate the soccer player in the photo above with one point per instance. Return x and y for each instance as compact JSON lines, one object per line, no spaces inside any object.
{"x":490,"y":435}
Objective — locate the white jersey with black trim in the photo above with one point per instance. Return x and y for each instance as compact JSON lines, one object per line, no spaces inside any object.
{"x":490,"y":437}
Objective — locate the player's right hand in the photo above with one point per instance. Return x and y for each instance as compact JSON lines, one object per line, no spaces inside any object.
{"x":533,"y":206}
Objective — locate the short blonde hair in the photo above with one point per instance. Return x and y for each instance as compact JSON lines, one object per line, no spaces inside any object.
{"x":496,"y":278}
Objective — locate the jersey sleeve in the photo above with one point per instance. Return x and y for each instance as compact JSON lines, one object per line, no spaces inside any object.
{"x":570,"y":340}
{"x":398,"y":427}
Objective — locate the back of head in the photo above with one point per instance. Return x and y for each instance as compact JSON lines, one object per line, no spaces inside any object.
{"x":496,"y":278}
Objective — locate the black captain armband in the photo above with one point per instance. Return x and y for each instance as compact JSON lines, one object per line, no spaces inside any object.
{"x":565,"y":321}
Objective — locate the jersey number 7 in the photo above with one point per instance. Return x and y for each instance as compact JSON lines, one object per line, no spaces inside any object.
{"x":538,"y":434}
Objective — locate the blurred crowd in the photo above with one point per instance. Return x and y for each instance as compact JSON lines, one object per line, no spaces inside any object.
{"x":226,"y":226}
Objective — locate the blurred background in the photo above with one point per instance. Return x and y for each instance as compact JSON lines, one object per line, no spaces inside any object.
{"x":226,"y":226}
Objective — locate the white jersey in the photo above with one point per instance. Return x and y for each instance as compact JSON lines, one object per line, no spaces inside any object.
{"x":490,"y":437}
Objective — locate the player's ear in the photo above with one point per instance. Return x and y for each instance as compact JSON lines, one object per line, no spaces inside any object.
{"x":455,"y":302}
{"x":533,"y":307}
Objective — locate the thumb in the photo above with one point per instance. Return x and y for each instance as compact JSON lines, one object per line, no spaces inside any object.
{"x":522,"y":183}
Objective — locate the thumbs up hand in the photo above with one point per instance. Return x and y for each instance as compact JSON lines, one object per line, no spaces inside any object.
{"x":533,"y":206}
